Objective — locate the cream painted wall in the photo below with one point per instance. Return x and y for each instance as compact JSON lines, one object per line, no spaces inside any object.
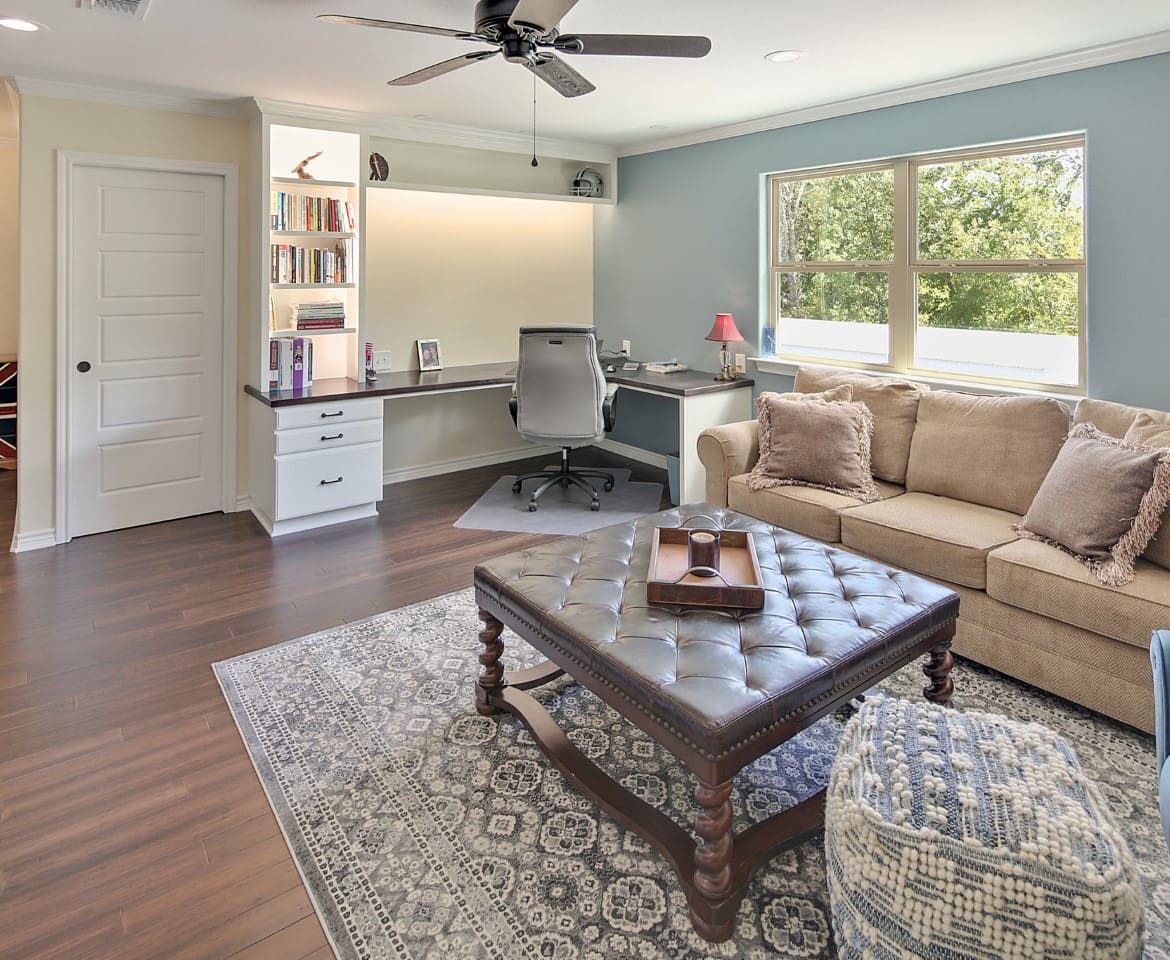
{"x":469,"y":270}
{"x":47,"y":126}
{"x":9,"y":204}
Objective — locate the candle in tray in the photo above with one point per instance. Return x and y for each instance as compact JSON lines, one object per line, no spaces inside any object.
{"x":703,"y":551}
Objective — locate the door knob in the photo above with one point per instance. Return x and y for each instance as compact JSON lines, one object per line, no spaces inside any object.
{"x":83,"y":367}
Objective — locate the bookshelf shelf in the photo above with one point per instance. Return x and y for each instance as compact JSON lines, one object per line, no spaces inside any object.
{"x":312,"y":286}
{"x":485,"y":192}
{"x":313,"y":333}
{"x":314,"y":234}
{"x":351,"y":184}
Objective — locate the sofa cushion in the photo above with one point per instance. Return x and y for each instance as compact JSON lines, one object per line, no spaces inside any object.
{"x":1113,"y":418}
{"x":936,"y":536}
{"x":1102,"y":501}
{"x":893,"y":403}
{"x":804,"y":510}
{"x":993,"y":451}
{"x":815,"y":443}
{"x":1036,"y":577}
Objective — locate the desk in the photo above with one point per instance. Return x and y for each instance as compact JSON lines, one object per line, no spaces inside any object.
{"x":316,"y":453}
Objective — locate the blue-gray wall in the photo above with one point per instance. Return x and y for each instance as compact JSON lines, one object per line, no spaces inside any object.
{"x":684,"y":240}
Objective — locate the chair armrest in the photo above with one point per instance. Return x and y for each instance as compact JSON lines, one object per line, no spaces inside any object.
{"x":726,"y":452}
{"x":609,"y":406}
{"x":1160,"y":658}
{"x":514,"y":407}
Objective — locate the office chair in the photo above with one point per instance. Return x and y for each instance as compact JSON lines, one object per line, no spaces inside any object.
{"x":1160,"y":656}
{"x":561,"y":397}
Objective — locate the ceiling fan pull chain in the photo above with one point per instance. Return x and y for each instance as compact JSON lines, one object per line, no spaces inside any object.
{"x":535,"y":163}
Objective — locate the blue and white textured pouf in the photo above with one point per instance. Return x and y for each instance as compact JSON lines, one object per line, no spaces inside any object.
{"x":953,"y":835}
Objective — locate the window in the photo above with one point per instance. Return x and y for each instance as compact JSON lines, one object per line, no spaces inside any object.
{"x":967,"y":265}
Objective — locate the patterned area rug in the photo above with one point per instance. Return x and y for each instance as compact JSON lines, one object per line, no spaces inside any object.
{"x":426,"y":831}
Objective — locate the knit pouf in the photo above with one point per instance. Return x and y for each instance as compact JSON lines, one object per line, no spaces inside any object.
{"x":965,"y":835}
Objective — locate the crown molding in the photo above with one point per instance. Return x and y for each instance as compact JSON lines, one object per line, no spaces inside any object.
{"x":91,"y":93}
{"x":1148,"y":45}
{"x":429,"y":131}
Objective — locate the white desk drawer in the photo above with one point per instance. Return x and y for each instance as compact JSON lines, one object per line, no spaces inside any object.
{"x":342,"y":411}
{"x":328,"y":436}
{"x":328,"y":480}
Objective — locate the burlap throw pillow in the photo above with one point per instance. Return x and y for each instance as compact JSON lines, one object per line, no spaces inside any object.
{"x":893,"y":403}
{"x":843,"y":392}
{"x":1101,"y":502}
{"x":1147,"y":428}
{"x":815,"y":443}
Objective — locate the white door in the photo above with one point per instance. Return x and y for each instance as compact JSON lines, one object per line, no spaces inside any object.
{"x":146,"y":330}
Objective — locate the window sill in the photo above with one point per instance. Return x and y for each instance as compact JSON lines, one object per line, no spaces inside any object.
{"x":788,"y":368}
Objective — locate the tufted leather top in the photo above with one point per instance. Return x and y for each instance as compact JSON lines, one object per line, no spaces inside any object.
{"x":716,"y":679}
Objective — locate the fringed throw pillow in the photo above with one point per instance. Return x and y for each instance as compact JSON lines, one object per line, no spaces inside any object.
{"x":843,"y":392}
{"x":1101,"y":502}
{"x":810,"y":442}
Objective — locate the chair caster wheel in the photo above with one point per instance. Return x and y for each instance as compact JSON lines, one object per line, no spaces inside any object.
{"x":532,"y":508}
{"x":594,"y":505}
{"x":516,"y":487}
{"x":608,"y":486}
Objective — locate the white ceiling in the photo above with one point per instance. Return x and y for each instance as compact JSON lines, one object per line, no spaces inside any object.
{"x":276,"y":49}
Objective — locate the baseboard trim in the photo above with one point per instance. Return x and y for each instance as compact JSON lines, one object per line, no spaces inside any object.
{"x":243,"y":504}
{"x":278,"y":528}
{"x":37,"y":540}
{"x":634,"y":453}
{"x":402,"y":474}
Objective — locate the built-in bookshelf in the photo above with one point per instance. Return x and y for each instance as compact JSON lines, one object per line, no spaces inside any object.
{"x":314,"y":244}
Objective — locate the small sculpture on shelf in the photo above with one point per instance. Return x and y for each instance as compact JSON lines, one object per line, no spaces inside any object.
{"x":300,"y":170}
{"x":379,"y":167}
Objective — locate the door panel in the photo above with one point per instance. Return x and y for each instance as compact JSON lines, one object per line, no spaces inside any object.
{"x":146,"y":315}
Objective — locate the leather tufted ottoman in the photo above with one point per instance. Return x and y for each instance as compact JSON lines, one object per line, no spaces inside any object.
{"x":718,"y":688}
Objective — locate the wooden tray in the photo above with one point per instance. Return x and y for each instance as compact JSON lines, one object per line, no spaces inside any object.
{"x":739,"y":583}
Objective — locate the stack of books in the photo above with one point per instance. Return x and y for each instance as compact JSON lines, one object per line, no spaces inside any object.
{"x":324,"y":315}
{"x":291,"y":211}
{"x":290,"y":363}
{"x":293,"y":264}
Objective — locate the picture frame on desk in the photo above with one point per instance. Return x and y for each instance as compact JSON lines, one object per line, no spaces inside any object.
{"x":430,"y":356}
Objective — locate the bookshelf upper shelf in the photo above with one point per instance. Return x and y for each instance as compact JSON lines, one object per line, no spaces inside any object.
{"x":297,"y":181}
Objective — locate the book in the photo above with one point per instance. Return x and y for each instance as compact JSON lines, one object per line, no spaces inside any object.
{"x":665,"y":366}
{"x":273,"y":365}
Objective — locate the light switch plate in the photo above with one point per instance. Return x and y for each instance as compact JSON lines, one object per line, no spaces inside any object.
{"x":382,"y":362}
{"x":741,"y":363}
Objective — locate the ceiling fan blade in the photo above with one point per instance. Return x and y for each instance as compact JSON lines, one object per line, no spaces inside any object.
{"x":438,"y":69}
{"x":542,"y":14}
{"x":560,"y":76}
{"x":634,"y":45}
{"x":393,"y":25}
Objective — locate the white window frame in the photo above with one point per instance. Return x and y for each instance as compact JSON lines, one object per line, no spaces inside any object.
{"x":905,"y":266}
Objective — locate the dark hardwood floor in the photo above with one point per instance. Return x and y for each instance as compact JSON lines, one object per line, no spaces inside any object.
{"x":132,"y":824}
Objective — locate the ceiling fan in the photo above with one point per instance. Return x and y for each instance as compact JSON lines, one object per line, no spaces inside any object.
{"x":527,"y":32}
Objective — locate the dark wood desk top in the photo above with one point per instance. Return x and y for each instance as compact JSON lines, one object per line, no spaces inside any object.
{"x":413,"y":382}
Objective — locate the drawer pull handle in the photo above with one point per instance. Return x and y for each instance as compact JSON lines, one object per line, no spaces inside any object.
{"x":326,"y":483}
{"x":337,"y":436}
{"x":326,"y":416}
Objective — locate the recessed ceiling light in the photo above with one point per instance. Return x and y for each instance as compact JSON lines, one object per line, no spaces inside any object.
{"x":659,"y":126}
{"x":784,"y":56}
{"x":24,"y":26}
{"x":422,"y":116}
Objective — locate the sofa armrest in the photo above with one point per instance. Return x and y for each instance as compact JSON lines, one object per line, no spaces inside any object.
{"x":726,"y":452}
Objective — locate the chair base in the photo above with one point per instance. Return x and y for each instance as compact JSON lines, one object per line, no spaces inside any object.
{"x":564,"y":477}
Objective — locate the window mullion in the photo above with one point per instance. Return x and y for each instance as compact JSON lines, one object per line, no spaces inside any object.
{"x":902,"y":319}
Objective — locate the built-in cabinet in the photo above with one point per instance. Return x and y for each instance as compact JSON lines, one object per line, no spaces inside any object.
{"x":313,"y":464}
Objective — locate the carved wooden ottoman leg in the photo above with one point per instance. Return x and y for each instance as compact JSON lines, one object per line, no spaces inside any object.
{"x":713,"y":857}
{"x":938,"y":668}
{"x":491,"y":681}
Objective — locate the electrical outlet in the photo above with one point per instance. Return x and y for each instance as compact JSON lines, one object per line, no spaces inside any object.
{"x":382,"y":362}
{"x":626,"y":347}
{"x":741,"y":363}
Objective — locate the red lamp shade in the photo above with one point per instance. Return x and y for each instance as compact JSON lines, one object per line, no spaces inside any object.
{"x":724,"y":329}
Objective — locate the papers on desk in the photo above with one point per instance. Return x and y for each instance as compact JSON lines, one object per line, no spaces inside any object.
{"x":665,"y":366}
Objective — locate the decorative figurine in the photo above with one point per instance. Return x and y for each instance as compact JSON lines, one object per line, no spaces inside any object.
{"x":379,"y":167}
{"x":371,"y":373}
{"x":300,"y":170}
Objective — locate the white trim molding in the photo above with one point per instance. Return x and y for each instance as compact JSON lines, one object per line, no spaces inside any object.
{"x":243,"y":504}
{"x":1145,"y":46}
{"x":206,"y":106}
{"x":631,"y":452}
{"x":67,"y":163}
{"x":36,"y":540}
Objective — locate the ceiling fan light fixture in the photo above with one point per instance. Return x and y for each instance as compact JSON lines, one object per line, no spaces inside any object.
{"x":784,"y":56}
{"x":21,"y":25}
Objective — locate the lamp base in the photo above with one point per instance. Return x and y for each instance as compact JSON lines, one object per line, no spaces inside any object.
{"x":724,"y":377}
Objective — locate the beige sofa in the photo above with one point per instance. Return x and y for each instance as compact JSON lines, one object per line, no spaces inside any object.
{"x":954,"y":473}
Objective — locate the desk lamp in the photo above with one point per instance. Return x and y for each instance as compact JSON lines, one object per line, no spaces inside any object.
{"x":722,"y":332}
